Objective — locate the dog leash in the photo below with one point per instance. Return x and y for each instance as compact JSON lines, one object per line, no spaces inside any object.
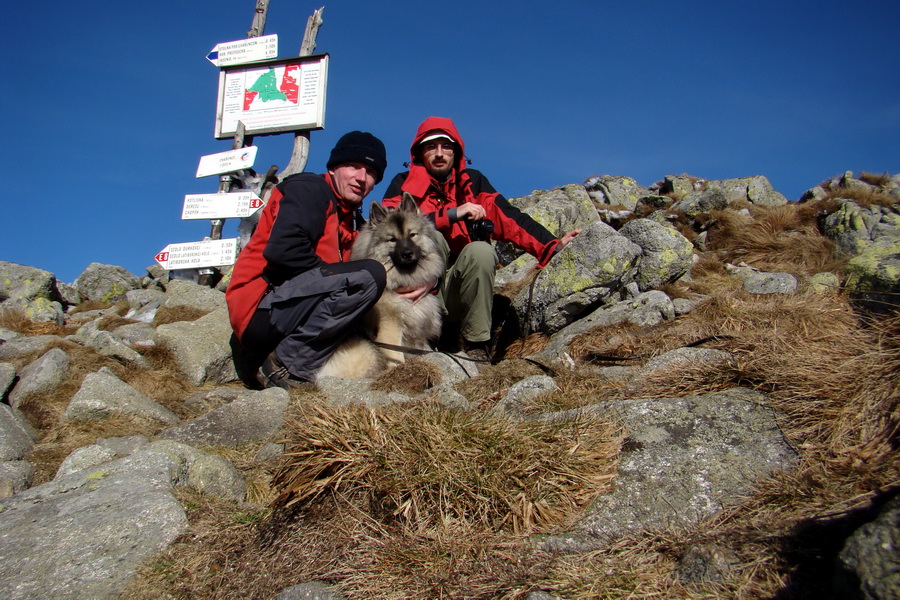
{"x":419,"y":351}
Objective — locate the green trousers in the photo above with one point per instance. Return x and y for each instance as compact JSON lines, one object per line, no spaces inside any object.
{"x":467,"y":291}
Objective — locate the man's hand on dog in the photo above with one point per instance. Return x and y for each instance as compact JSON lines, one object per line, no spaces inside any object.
{"x":415,"y":293}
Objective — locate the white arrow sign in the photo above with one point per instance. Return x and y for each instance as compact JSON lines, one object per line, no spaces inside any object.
{"x":244,"y":51}
{"x":193,"y":255}
{"x":220,"y":206}
{"x":226,"y":162}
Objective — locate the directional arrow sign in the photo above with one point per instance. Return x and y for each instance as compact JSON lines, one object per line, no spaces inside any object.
{"x":193,"y":255}
{"x":244,"y":51}
{"x":226,"y":162}
{"x":220,"y":206}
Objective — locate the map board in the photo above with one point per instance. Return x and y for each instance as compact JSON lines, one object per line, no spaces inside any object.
{"x":274,"y":96}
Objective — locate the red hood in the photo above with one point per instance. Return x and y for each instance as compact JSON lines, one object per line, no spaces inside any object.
{"x":419,"y":179}
{"x":439,"y":125}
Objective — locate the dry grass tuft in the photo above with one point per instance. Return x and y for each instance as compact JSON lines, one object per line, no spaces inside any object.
{"x":173,"y":314}
{"x":709,"y":277}
{"x":512,"y":289}
{"x":258,"y":474}
{"x":111,"y":322}
{"x":576,"y":390}
{"x":881,"y":180}
{"x":487,"y":385}
{"x":780,"y":238}
{"x":225,"y":557}
{"x":427,"y":466}
{"x":163,"y":382}
{"x":89,"y":305}
{"x":604,"y":344}
{"x":527,"y":346}
{"x":866,"y":198}
{"x":412,"y":377}
{"x":16,"y":320}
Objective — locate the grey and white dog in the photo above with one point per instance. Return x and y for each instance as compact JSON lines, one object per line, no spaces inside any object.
{"x":405,"y":242}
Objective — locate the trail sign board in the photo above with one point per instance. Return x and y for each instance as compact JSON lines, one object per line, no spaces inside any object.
{"x":275,"y":96}
{"x":226,"y":162}
{"x":244,"y":51}
{"x":193,"y":255}
{"x":220,"y":206}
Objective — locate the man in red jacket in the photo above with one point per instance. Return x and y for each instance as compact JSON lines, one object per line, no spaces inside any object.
{"x":464,"y":206}
{"x":293,"y":294}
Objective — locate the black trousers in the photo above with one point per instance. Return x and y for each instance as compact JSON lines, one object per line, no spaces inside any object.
{"x":304,"y":319}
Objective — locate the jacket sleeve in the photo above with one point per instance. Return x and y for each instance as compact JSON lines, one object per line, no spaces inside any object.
{"x":291,"y":249}
{"x":511,"y":224}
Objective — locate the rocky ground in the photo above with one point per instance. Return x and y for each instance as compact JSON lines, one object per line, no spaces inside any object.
{"x":119,"y":391}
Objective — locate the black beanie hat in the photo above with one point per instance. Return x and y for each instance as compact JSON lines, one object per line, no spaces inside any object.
{"x":361,"y":147}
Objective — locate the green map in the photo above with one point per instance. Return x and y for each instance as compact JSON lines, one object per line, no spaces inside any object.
{"x":267,"y":87}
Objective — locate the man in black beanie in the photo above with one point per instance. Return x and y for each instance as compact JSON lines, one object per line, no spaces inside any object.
{"x":294,"y":294}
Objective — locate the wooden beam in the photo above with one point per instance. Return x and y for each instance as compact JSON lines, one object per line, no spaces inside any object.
{"x":300,"y":152}
{"x":259,"y":19}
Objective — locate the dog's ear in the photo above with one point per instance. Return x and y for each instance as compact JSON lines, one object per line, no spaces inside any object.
{"x":408,"y":204}
{"x":377,"y":213}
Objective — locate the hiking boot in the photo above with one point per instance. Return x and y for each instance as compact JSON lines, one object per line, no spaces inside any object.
{"x":273,"y":373}
{"x":479,"y":352}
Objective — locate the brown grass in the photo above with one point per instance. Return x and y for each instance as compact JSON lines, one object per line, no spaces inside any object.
{"x":780,"y":238}
{"x":226,"y":556}
{"x":16,"y":320}
{"x":874,"y":196}
{"x":485,"y":388}
{"x":834,"y":384}
{"x":876,"y":179}
{"x":111,"y":322}
{"x":60,"y":440}
{"x":89,"y":305}
{"x":173,"y":314}
{"x":412,"y":377}
{"x":425,"y":465}
{"x":526,"y":346}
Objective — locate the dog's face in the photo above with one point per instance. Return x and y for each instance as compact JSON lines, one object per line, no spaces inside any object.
{"x":404,"y":241}
{"x":399,"y":233}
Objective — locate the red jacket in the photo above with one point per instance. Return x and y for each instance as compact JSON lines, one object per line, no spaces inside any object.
{"x":303,"y":225}
{"x":436,"y":198}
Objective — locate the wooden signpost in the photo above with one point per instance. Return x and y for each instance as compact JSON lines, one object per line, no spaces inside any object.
{"x":272,"y":96}
{"x":194,"y":255}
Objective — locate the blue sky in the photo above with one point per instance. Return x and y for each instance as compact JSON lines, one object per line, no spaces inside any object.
{"x":110,"y":105}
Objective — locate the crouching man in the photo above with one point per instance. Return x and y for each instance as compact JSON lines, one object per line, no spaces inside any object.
{"x":294,"y":294}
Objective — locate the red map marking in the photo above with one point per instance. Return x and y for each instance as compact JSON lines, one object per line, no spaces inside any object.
{"x":249,"y":97}
{"x":289,"y":85}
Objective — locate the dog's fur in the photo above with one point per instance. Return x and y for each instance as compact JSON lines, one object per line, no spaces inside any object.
{"x":404,"y":241}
